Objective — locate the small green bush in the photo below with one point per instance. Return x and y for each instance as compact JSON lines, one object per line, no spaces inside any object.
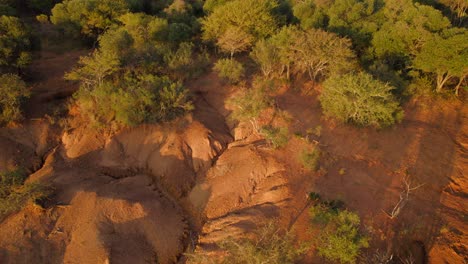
{"x":339,"y":239}
{"x":14,"y":194}
{"x":185,"y":63}
{"x":15,"y":43}
{"x":271,"y":245}
{"x":249,"y":104}
{"x":43,"y":19}
{"x":229,"y":69}
{"x":12,"y":91}
{"x":277,"y":136}
{"x":360,"y":99}
{"x":310,"y":158}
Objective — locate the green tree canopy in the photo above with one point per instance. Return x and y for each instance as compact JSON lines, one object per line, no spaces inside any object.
{"x":90,"y":18}
{"x":356,"y":19}
{"x":360,"y":99}
{"x":445,"y":56}
{"x":136,"y":99}
{"x":310,"y":14}
{"x":252,"y":17}
{"x":305,"y":51}
{"x":12,"y":91}
{"x":408,"y":26}
{"x":15,"y":43}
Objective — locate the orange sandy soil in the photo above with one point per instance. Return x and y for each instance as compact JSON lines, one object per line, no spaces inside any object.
{"x":151,"y":192}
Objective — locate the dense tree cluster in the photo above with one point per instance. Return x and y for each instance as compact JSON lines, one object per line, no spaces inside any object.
{"x":396,"y":42}
{"x":124,"y":81}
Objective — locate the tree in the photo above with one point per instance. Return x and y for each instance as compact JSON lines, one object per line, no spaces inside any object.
{"x":15,"y":43}
{"x":210,"y":5}
{"x":355,"y":19}
{"x":266,"y":55}
{"x":133,"y":101}
{"x":94,"y":69}
{"x":305,"y":51}
{"x":234,"y":40}
{"x":310,"y":14}
{"x":7,"y":8}
{"x":360,"y":99}
{"x":249,"y":104}
{"x":339,"y":239}
{"x":459,"y":7}
{"x":229,"y":69}
{"x":253,"y":17}
{"x":90,"y":18}
{"x":409,"y":25}
{"x":12,"y":91}
{"x":312,"y":49}
{"x":446,"y":57}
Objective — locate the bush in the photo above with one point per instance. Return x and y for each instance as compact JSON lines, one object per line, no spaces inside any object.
{"x":360,"y":99}
{"x":184,"y":63}
{"x":277,"y":136}
{"x":43,"y":19}
{"x":271,"y":245}
{"x":15,"y":43}
{"x":310,"y":158}
{"x":90,"y":18}
{"x":133,"y":101}
{"x":249,"y":104}
{"x":12,"y":91}
{"x":14,"y":194}
{"x":339,"y":239}
{"x":229,"y":69}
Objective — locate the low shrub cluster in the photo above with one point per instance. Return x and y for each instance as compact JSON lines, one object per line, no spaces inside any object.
{"x":14,"y":193}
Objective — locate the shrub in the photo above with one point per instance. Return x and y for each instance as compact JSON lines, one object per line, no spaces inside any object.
{"x":270,"y":245}
{"x":249,"y":104}
{"x":15,"y":43}
{"x":277,"y":136}
{"x":339,"y":239}
{"x":91,"y":18}
{"x":229,"y":69}
{"x":310,"y":158}
{"x":43,"y":19}
{"x":12,"y":91}
{"x":185,"y":63}
{"x":14,"y":194}
{"x":133,"y":101}
{"x":360,"y":99}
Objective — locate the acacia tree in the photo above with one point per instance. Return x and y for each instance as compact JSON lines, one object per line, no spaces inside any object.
{"x":360,"y":99}
{"x":15,"y":43}
{"x":119,"y":81}
{"x":459,"y":7}
{"x":12,"y":91}
{"x":312,"y":53}
{"x":266,"y":55}
{"x":304,"y":52}
{"x":254,"y":18}
{"x":90,"y":18}
{"x":234,"y":40}
{"x":310,"y":13}
{"x":407,"y":28}
{"x":446,"y":57}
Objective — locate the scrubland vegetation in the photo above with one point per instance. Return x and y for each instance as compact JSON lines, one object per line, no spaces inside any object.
{"x":364,"y":58}
{"x":269,"y":245}
{"x":15,"y":193}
